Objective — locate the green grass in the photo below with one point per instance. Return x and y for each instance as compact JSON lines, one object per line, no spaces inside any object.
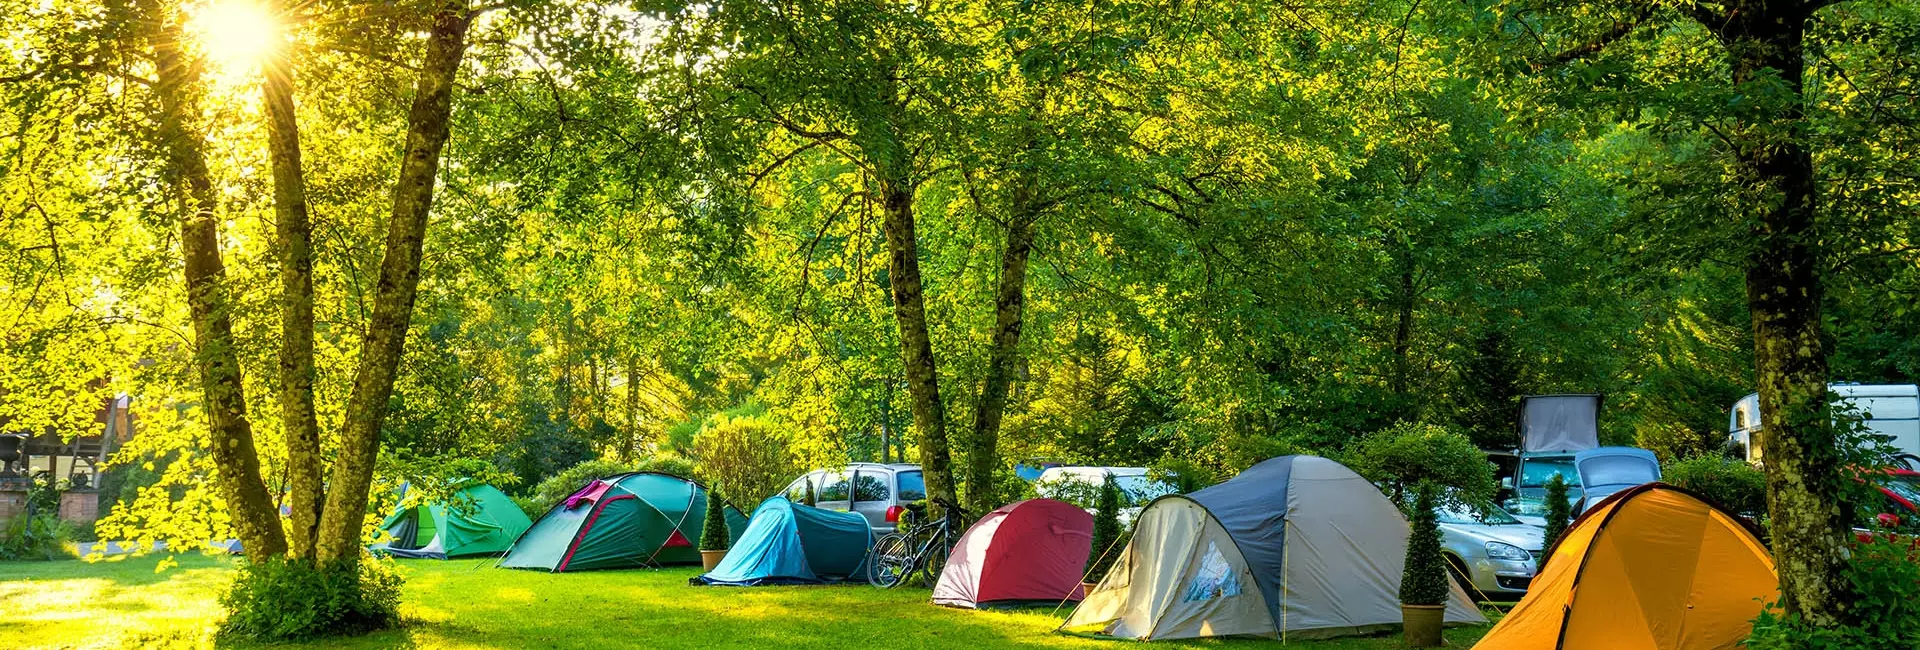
{"x":125,"y":602}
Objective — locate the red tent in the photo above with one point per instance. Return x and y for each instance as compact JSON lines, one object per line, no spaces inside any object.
{"x":1033,"y":551}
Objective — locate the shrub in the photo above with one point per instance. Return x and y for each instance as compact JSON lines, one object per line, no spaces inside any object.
{"x":1106,"y":531}
{"x":1401,"y":457}
{"x":713,"y":533}
{"x":748,"y":453}
{"x":1728,"y":483}
{"x":1559,"y":516}
{"x":36,"y":537}
{"x":1424,"y":582}
{"x":561,"y":485}
{"x":1884,"y":581}
{"x":289,"y":600}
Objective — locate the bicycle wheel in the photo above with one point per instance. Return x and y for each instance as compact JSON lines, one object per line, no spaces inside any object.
{"x":890,"y":561}
{"x":934,"y":562}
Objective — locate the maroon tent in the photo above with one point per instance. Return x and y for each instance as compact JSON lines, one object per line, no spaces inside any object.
{"x":1034,"y":551}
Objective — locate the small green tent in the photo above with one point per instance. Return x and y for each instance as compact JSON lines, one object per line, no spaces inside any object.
{"x":477,"y":520}
{"x":621,"y":521}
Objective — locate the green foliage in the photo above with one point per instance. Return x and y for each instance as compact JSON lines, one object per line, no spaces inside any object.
{"x":1410,"y":454}
{"x":1425,"y":580}
{"x":1559,"y":516}
{"x":559,"y":486}
{"x":1725,"y":482}
{"x":1107,"y":534}
{"x":1883,"y":579}
{"x":750,"y":454}
{"x":290,"y":600}
{"x":36,"y":537}
{"x":713,"y":533}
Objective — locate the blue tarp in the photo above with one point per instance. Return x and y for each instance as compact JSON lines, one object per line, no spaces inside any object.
{"x":790,"y":543}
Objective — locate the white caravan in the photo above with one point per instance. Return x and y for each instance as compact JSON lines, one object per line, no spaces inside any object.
{"x":1891,"y":410}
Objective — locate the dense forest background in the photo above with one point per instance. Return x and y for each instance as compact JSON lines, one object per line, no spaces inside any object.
{"x":1234,"y":228}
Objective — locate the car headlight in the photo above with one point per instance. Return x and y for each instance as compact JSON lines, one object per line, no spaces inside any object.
{"x":1505,"y":551}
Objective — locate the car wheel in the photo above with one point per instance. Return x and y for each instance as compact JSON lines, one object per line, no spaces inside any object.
{"x":1458,"y":569}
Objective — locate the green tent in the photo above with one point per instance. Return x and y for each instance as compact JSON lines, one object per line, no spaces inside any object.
{"x":477,"y":520}
{"x":621,"y":521}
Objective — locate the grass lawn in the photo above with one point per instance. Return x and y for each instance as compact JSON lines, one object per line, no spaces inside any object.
{"x":124,"y":602}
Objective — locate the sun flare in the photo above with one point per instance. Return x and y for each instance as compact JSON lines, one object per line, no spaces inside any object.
{"x":235,"y":34}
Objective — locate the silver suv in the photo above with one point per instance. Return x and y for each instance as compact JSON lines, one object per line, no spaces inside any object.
{"x":876,"y":491}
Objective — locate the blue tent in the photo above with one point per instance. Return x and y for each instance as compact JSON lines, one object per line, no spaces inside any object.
{"x":787,"y":543}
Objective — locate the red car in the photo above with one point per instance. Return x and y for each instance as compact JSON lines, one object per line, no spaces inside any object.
{"x":1900,"y":504}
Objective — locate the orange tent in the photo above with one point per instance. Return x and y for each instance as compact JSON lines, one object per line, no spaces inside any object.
{"x":1651,"y":568}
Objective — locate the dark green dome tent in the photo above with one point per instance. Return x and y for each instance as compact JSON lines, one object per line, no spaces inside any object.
{"x":476,"y":520}
{"x":621,"y":521}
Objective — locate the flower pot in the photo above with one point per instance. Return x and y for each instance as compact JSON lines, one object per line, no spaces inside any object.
{"x":1422,"y":624}
{"x":711,"y":559}
{"x":1086,"y":588}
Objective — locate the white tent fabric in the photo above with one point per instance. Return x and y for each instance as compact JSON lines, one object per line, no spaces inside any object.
{"x":1559,"y":423}
{"x":1328,"y":553}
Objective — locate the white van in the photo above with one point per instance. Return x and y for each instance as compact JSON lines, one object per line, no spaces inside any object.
{"x":1891,"y":410}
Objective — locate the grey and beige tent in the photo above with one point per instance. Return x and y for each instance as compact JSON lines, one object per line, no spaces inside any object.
{"x":476,"y":519}
{"x":1294,"y":547}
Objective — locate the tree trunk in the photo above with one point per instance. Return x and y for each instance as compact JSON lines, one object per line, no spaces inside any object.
{"x":1803,"y":462}
{"x":1009,"y":311}
{"x":177,"y":87}
{"x":427,"y":131}
{"x":1405,"y":297}
{"x":291,"y":223}
{"x":916,"y":345}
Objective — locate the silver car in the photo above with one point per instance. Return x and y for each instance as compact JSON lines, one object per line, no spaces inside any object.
{"x":1491,"y":553}
{"x":876,"y":491}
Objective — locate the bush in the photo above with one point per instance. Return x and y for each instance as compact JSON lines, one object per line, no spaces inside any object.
{"x":1728,"y":483}
{"x":713,"y":533}
{"x":1559,"y":516}
{"x":1106,"y":531}
{"x":290,"y":600}
{"x":1884,"y":582}
{"x":561,"y":485}
{"x":36,"y":537}
{"x":1401,"y":457}
{"x":1425,"y":581}
{"x":748,"y":453}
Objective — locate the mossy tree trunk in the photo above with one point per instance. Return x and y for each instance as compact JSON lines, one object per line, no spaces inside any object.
{"x":294,"y":228}
{"x":177,"y":88}
{"x":1009,"y":312}
{"x":427,"y":131}
{"x":1764,"y":43}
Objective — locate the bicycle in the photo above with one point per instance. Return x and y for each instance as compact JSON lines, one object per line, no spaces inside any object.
{"x":921,"y":549}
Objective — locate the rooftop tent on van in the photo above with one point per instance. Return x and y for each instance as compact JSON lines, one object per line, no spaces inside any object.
{"x":1568,"y":422}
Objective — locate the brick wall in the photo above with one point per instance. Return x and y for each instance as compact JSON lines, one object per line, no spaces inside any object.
{"x":77,"y":506}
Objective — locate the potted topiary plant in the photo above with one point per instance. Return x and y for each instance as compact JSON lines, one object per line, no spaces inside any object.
{"x":1559,"y":515}
{"x":813,"y":499}
{"x":713,"y":533}
{"x":1106,"y":535}
{"x":1424,"y":586}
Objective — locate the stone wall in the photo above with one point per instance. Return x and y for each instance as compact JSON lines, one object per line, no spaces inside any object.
{"x":76,"y":506}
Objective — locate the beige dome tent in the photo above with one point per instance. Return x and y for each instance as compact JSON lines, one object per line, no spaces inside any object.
{"x":1296,"y":546}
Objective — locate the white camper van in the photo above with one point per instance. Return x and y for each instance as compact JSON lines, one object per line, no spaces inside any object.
{"x":1891,"y":410}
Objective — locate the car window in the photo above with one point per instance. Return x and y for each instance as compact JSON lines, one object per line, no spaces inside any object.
{"x":870,"y":486}
{"x":833,"y":487}
{"x":1536,"y":472}
{"x":1619,"y":470}
{"x":797,"y":492}
{"x":912,"y":486}
{"x":1486,"y":515}
{"x":1903,"y":487}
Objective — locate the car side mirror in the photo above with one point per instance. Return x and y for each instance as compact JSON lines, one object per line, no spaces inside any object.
{"x":1506,"y":482}
{"x":1888,"y":520}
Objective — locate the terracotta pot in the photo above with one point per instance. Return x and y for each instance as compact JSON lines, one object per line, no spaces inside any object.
{"x":1422,"y":624}
{"x":711,"y":559}
{"x":1086,"y":588}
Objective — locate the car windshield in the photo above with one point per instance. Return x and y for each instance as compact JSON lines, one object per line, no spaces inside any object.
{"x":1904,"y":487}
{"x":1140,"y":489}
{"x":1619,"y":470}
{"x":1487,"y":515}
{"x":912,"y":487}
{"x":1535,"y":472}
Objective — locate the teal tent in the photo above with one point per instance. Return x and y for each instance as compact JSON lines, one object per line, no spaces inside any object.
{"x":476,"y":520}
{"x":788,"y":543}
{"x":621,"y":521}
